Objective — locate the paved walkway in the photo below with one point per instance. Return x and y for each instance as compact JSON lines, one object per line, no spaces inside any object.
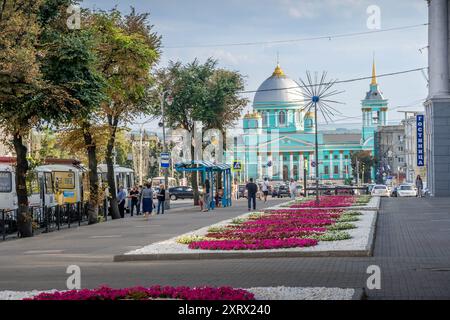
{"x":411,"y":248}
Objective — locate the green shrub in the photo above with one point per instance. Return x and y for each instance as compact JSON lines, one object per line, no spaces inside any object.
{"x":341,"y":226}
{"x":333,"y":236}
{"x":347,"y":218}
{"x":238,"y":221}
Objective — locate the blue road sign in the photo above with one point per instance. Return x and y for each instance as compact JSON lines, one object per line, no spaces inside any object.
{"x":165,"y":159}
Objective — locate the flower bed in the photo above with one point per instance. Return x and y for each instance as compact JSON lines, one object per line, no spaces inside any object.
{"x":278,"y":229}
{"x":154,"y":292}
{"x":255,"y":244}
{"x":328,"y":202}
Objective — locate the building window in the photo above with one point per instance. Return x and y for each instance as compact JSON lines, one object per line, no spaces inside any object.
{"x":336,"y":170}
{"x":326,"y":157}
{"x":346,"y":157}
{"x":335,"y":157}
{"x":327,"y":170}
{"x":282,"y":118}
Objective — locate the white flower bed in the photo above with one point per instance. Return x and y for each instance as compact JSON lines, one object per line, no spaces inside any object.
{"x":261,"y":293}
{"x":361,"y":240}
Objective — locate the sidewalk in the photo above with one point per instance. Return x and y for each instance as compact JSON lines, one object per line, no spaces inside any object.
{"x":102,"y":241}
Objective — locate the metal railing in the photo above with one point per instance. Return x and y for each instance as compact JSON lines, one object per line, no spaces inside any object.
{"x":48,"y":218}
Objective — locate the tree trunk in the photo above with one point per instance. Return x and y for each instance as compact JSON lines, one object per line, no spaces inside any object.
{"x":115,"y":214}
{"x":194,"y":182}
{"x":24,"y":220}
{"x":91,"y":149}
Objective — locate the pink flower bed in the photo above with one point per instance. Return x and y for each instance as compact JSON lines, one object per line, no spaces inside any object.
{"x":255,"y":244}
{"x":328,"y":202}
{"x":154,"y":292}
{"x":279,"y":228}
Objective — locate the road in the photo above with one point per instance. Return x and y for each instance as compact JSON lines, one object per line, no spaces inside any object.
{"x":411,"y":250}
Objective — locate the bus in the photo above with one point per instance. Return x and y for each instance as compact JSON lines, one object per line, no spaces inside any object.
{"x":39,"y":185}
{"x":157,"y":181}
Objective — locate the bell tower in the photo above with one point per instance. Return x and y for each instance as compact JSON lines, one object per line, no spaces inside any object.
{"x":374,"y":110}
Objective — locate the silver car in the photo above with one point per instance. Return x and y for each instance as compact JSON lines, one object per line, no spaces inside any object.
{"x":380,"y":190}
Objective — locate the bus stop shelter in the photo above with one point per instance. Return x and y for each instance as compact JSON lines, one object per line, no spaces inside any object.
{"x":210,"y":170}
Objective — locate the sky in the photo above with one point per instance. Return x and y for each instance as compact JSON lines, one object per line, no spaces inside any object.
{"x":191,"y":28}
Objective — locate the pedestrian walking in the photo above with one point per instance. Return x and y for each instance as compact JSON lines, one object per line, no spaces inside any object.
{"x":419,"y":186}
{"x":265,"y":188}
{"x":235,"y":190}
{"x":206,"y":195}
{"x":147,"y":199}
{"x":293,"y":188}
{"x":161,"y":199}
{"x":252,"y":189}
{"x":121,"y":198}
{"x":135,"y":196}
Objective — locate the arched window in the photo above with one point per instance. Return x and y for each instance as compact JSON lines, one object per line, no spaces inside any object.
{"x":265,"y":121}
{"x":282,"y":118}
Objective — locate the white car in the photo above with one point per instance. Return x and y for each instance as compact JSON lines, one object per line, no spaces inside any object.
{"x":406,"y":190}
{"x":380,"y":190}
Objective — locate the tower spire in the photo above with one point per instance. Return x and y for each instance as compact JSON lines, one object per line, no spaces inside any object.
{"x":374,"y":73}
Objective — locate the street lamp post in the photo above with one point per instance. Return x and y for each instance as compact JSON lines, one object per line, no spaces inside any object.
{"x":162,"y":99}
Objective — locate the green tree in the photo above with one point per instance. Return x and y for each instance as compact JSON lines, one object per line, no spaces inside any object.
{"x":201,"y":92}
{"x":72,"y":62}
{"x":46,"y":74}
{"x":128,"y":49}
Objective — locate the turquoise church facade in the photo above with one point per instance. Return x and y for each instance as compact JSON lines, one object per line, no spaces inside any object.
{"x":278,"y":136}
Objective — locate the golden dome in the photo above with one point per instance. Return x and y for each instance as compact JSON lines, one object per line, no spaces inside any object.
{"x":278,"y":72}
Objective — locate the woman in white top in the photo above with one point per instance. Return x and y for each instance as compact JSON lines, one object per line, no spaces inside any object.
{"x":293,"y":188}
{"x":265,"y":188}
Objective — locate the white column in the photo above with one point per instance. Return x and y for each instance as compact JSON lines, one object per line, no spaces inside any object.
{"x":301,"y":163}
{"x":438,"y":49}
{"x":312,"y":169}
{"x":291,"y":165}
{"x":259,"y":174}
{"x":280,"y":169}
{"x":341,"y":165}
{"x":331,"y":168}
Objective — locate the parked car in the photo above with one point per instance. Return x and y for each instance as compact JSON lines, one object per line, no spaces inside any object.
{"x":380,"y":191}
{"x":407,"y":190}
{"x":181,"y":193}
{"x":281,"y":192}
{"x":370,"y":187}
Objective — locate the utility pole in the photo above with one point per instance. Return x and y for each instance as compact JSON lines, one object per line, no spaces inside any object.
{"x":169,"y":100}
{"x":357,"y":172}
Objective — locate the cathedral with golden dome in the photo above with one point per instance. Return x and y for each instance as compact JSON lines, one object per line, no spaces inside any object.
{"x":278,"y":137}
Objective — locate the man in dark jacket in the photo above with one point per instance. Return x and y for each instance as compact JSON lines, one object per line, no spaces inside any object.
{"x":252,"y":189}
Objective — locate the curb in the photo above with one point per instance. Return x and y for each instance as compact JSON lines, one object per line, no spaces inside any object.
{"x":359,"y":294}
{"x":238,"y":255}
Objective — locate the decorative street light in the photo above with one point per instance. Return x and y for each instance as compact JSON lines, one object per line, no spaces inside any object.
{"x":165,"y":97}
{"x":317,"y":94}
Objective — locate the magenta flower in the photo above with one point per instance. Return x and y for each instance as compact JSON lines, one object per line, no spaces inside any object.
{"x":154,"y":292}
{"x":252,"y":244}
